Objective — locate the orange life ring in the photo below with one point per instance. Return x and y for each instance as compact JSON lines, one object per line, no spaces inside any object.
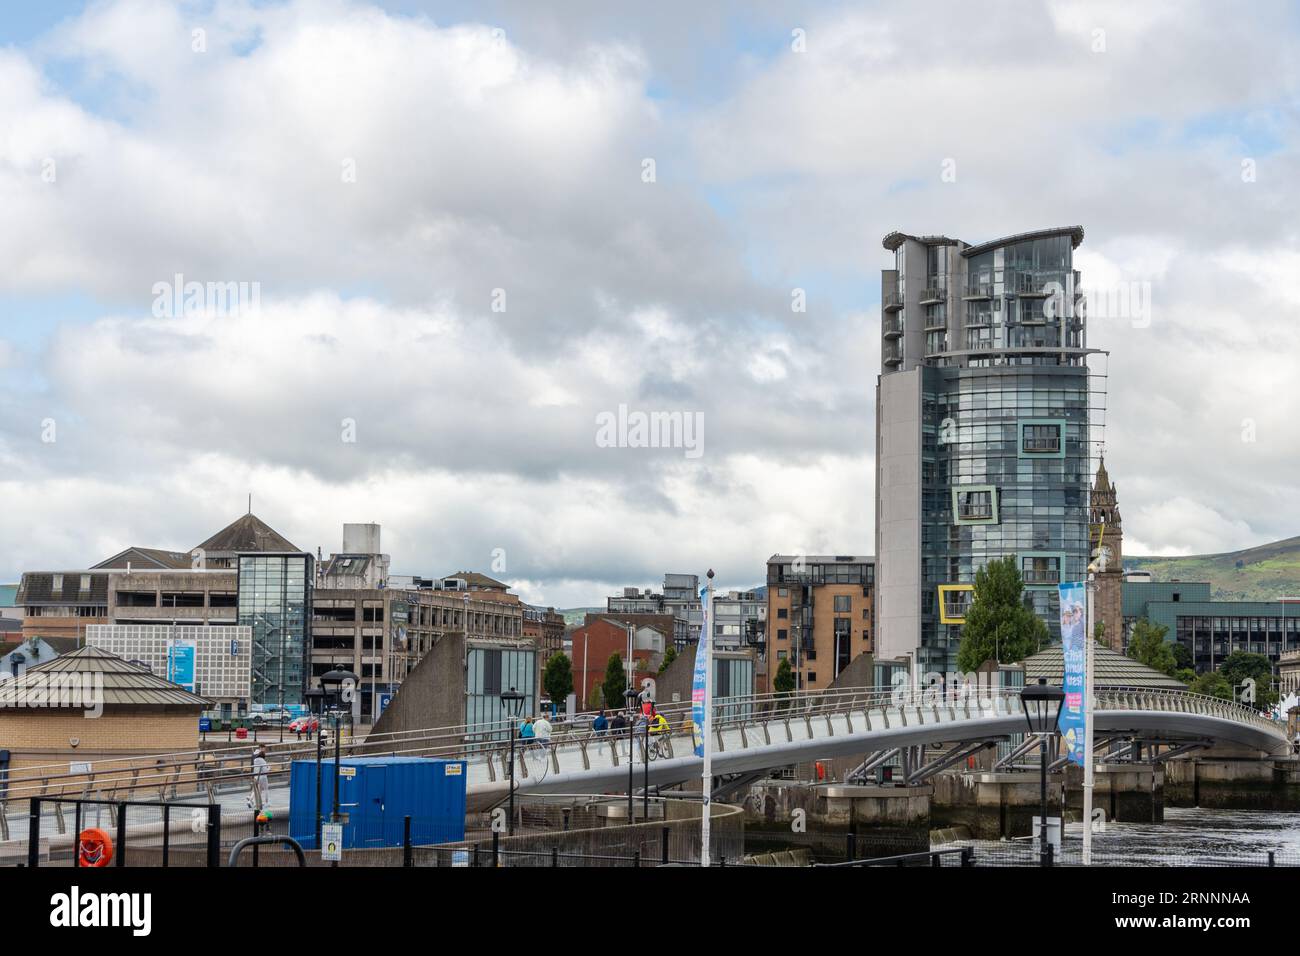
{"x":94,"y":848}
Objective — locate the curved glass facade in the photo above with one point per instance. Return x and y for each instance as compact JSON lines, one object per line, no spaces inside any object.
{"x":983,"y":444}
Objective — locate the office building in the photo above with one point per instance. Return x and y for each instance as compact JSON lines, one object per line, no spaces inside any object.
{"x":213,"y":661}
{"x":982,"y":441}
{"x":1212,"y":629}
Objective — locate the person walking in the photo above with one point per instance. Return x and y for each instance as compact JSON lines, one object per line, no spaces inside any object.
{"x":526,"y":731}
{"x":542,"y":731}
{"x":601,"y":724}
{"x":261,"y":778}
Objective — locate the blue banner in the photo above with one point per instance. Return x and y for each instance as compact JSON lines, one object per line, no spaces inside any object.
{"x":180,"y":664}
{"x":701,"y":673}
{"x":1074,"y":649}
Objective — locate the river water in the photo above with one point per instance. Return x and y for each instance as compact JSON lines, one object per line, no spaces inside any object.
{"x":1188,"y":837}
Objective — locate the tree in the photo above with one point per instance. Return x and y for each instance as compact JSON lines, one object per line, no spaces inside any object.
{"x":670,"y":655}
{"x":999,"y":625}
{"x":783,"y":682}
{"x":1241,"y":666}
{"x":1212,"y":684}
{"x":557,"y":678}
{"x":1148,"y":646}
{"x":1183,"y":656}
{"x":615,"y":683}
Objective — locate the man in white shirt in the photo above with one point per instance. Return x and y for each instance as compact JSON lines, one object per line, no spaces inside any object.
{"x":542,"y":730}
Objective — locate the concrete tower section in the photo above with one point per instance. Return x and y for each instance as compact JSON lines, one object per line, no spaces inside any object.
{"x":982,"y":431}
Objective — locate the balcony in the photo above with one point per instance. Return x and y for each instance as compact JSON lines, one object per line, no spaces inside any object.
{"x":1040,"y":576}
{"x":892,"y":326}
{"x":981,"y":288}
{"x":1042,"y":446}
{"x":893,"y":300}
{"x":892,"y":354}
{"x":933,"y":294}
{"x":936,"y":323}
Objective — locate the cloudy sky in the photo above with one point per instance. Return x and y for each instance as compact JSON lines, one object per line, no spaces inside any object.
{"x":468,"y":230}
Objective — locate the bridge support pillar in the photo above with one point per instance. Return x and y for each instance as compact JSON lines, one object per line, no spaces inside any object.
{"x":993,"y":805}
{"x":1234,"y":783}
{"x":1124,"y":792}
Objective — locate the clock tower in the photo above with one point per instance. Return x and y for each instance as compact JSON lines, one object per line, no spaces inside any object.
{"x":1107,"y":555}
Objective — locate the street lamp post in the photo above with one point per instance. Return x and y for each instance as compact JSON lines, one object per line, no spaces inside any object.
{"x":315,"y":698}
{"x":333,"y":683}
{"x":630,"y":695}
{"x":1042,"y":704}
{"x":511,"y":703}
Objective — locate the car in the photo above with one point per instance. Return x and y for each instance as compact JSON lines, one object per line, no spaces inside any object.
{"x":304,"y":725}
{"x":273,"y":717}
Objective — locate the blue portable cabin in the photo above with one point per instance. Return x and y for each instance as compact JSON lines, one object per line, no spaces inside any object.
{"x":375,"y":795}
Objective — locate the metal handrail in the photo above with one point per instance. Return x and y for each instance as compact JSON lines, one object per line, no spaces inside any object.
{"x":732,"y":712}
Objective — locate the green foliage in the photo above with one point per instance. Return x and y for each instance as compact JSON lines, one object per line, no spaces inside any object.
{"x":999,"y":625}
{"x":783,"y":683}
{"x":1212,"y":684}
{"x":670,"y":655}
{"x":1185,"y":675}
{"x":1183,"y":656}
{"x":557,"y":678}
{"x":1240,"y":666}
{"x":1148,"y":646}
{"x":615,"y":683}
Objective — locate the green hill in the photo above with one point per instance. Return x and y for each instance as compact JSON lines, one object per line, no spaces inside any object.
{"x":1264,"y":573}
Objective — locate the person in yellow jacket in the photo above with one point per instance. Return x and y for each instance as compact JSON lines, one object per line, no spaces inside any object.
{"x":659,"y":724}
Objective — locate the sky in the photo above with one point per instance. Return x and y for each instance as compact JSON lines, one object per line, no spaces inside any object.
{"x":405,"y":262}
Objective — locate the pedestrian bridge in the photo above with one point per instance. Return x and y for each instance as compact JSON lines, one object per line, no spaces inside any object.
{"x":751,"y":736}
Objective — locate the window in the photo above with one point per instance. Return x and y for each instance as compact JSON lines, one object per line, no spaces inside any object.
{"x":1040,"y":439}
{"x":812,"y":676}
{"x":781,"y":655}
{"x":974,"y":505}
{"x":782,"y":592}
{"x":782,"y":634}
{"x":843,"y":603}
{"x":1040,"y":570}
{"x":782,"y":613}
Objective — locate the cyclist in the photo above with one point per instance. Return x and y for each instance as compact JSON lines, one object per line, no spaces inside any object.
{"x":659,"y":730}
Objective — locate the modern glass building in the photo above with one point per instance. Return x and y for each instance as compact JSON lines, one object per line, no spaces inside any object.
{"x":982,"y":443}
{"x":275,"y":601}
{"x":1212,"y":629}
{"x":491,"y":668}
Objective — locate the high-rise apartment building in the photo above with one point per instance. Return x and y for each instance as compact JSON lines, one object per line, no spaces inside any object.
{"x":982,"y":431}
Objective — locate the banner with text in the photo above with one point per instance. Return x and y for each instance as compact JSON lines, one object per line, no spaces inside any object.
{"x":701,"y":673}
{"x":1075,"y":649}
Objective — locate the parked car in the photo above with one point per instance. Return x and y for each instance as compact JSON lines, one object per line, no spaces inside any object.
{"x":304,"y":725}
{"x":272,"y":717}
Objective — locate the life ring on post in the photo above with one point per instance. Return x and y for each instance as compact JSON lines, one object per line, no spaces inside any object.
{"x":94,"y":848}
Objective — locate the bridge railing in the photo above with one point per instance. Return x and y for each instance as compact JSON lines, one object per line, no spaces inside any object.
{"x":197,"y":770}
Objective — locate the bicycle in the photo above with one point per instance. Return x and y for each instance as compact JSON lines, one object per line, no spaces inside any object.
{"x":538,"y":754}
{"x":660,"y":748}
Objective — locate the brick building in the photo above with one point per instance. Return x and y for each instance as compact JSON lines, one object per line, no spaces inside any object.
{"x":599,"y":639}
